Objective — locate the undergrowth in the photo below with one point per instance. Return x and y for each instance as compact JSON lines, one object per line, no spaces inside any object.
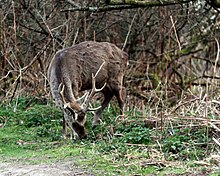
{"x":31,"y":131}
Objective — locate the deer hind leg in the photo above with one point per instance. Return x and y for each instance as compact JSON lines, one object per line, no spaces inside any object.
{"x":107,"y":98}
{"x":120,"y":95}
{"x":120,"y":92}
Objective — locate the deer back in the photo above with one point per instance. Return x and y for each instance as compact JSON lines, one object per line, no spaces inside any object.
{"x":74,"y":66}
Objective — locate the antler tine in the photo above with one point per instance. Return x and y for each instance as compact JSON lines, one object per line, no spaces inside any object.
{"x":61,"y":91}
{"x":99,"y":69}
{"x":93,"y":90}
{"x":85,"y":95}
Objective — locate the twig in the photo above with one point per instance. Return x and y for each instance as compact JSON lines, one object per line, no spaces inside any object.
{"x":129,"y":31}
{"x":147,"y":2}
{"x":15,"y":27}
{"x":174,"y":28}
{"x":216,"y":141}
{"x":193,"y":118}
{"x":36,"y":56}
{"x":184,"y":103}
{"x":73,"y":3}
{"x":216,"y":102}
{"x":49,"y":30}
{"x":99,"y":9}
{"x":214,"y":126}
{"x":217,"y":56}
{"x":24,"y":69}
{"x":75,"y":37}
{"x":4,"y":77}
{"x":202,"y":100}
{"x":16,"y":86}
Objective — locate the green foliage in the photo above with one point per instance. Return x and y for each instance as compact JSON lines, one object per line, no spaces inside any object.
{"x":40,"y":120}
{"x":187,"y":143}
{"x":22,"y":103}
{"x":134,"y":134}
{"x":33,"y":130}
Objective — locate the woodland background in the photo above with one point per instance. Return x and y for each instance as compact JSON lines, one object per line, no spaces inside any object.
{"x":172,"y":108}
{"x":173,"y":49}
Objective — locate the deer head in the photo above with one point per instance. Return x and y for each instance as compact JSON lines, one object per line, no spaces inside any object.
{"x":94,"y":66}
{"x":78,"y":116}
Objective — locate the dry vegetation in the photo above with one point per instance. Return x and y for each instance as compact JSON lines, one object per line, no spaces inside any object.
{"x":174,"y":67}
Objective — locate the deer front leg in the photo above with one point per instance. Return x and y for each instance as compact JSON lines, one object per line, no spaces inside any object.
{"x":96,"y":119}
{"x":64,"y":127}
{"x":68,"y":121}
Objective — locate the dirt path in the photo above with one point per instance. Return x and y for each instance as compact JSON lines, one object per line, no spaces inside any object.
{"x":66,"y":168}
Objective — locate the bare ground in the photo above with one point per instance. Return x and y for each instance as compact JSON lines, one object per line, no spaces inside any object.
{"x":64,"y":168}
{"x":61,"y":168}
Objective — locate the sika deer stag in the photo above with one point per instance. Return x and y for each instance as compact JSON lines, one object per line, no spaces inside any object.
{"x":99,"y":66}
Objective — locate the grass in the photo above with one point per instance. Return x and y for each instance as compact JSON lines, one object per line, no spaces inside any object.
{"x":31,"y":133}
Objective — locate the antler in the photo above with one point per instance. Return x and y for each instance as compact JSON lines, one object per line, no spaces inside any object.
{"x":93,"y":91}
{"x":88,"y":96}
{"x":65,"y":104}
{"x":61,"y":91}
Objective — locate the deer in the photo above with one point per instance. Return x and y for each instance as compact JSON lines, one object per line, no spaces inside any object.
{"x":94,"y":67}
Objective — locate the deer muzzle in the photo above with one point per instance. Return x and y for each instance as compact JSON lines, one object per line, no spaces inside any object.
{"x":79,"y":129}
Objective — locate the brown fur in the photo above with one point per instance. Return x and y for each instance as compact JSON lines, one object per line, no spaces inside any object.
{"x":73,"y":67}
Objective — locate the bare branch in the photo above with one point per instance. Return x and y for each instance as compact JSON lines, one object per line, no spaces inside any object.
{"x":217,"y":56}
{"x":148,"y":2}
{"x":99,"y":9}
{"x":129,"y":31}
{"x":175,"y":32}
{"x":126,"y":4}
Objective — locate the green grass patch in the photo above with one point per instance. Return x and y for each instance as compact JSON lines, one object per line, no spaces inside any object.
{"x":31,"y":132}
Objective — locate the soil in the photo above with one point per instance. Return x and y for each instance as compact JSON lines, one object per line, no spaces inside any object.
{"x":61,"y":168}
{"x":64,"y":168}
